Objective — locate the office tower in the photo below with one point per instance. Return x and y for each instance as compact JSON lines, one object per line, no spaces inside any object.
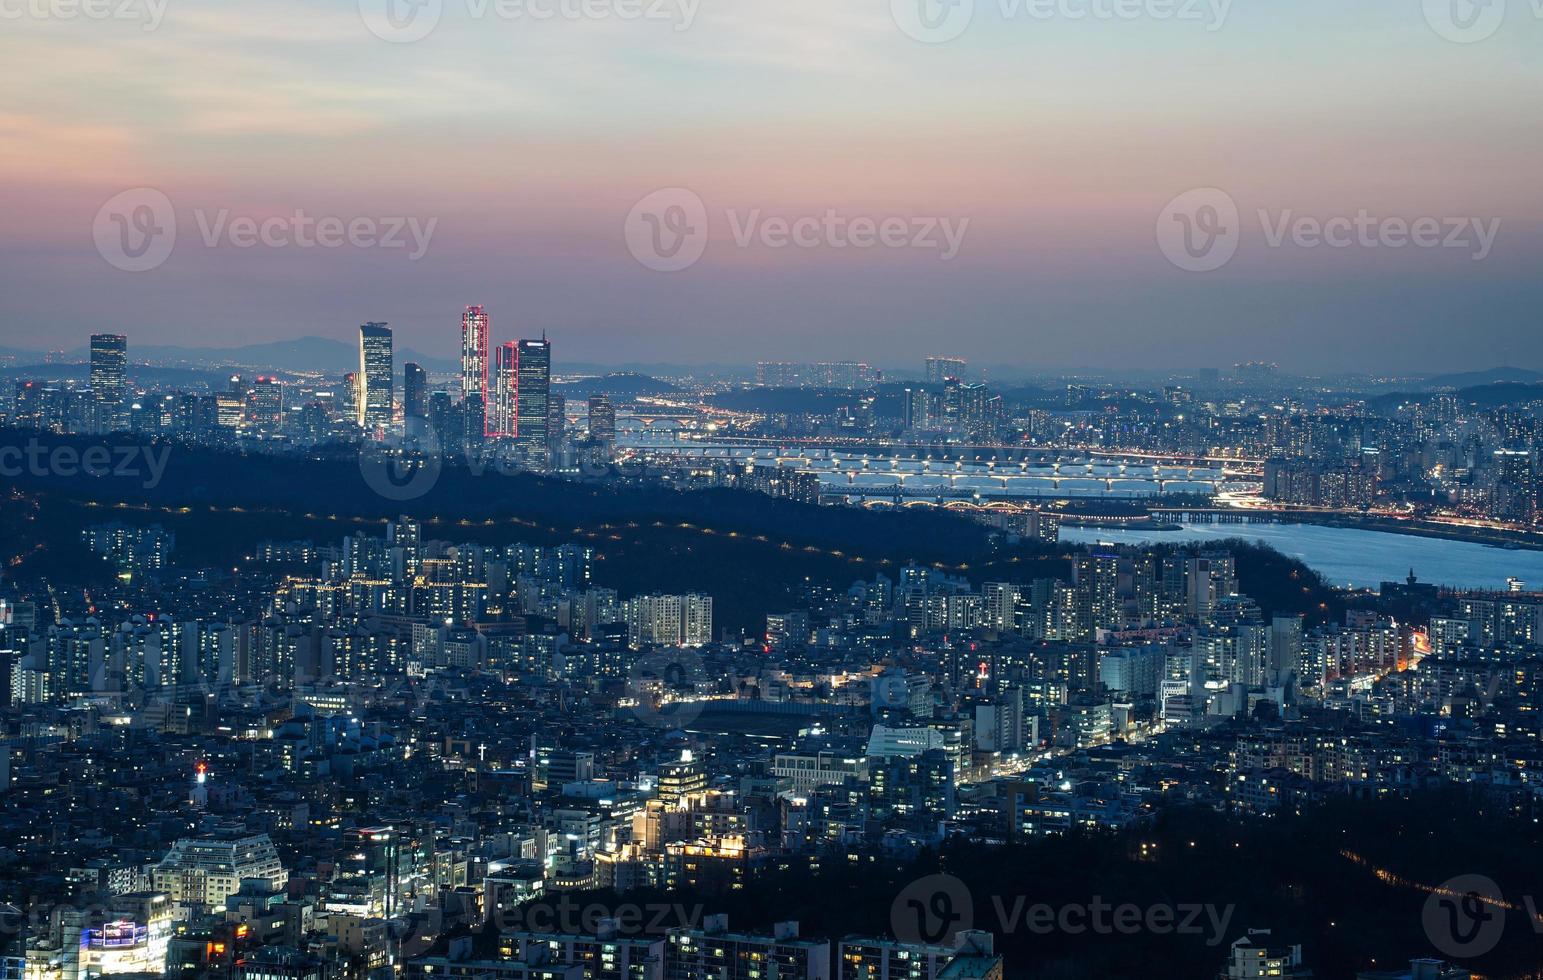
{"x":350,"y":396}
{"x":556,"y":423}
{"x":473,"y":414}
{"x":502,"y":420}
{"x":474,"y":353}
{"x":940,"y":369}
{"x":265,"y":403}
{"x":602,"y":420}
{"x":373,"y":405}
{"x":534,"y":374}
{"x":109,"y":367}
{"x":441,"y":419}
{"x":415,"y":391}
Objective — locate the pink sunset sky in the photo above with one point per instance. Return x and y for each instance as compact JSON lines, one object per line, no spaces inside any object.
{"x":527,"y":142}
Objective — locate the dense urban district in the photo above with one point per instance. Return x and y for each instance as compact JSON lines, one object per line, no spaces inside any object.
{"x":482,"y":668}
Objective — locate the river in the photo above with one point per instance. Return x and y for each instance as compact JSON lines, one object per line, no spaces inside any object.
{"x":1351,"y":556}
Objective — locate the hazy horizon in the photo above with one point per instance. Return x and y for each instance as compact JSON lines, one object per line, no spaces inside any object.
{"x":1055,"y":147}
{"x":445,"y":362}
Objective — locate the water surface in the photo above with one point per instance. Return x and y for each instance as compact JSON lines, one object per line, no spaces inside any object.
{"x":1352,"y":556}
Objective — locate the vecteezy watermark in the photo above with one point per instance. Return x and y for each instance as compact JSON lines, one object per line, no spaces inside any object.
{"x":1201,"y":229}
{"x":1465,"y":916}
{"x":144,"y":463}
{"x":565,"y":916}
{"x":669,"y":230}
{"x":941,"y":21}
{"x":662,"y":687}
{"x":934,"y":909}
{"x":300,"y":230}
{"x":136,"y":230}
{"x":405,"y":21}
{"x":149,"y":14}
{"x":400,"y":472}
{"x":1470,"y":21}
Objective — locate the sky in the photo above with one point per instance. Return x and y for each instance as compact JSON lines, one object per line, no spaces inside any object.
{"x":1119,"y":184}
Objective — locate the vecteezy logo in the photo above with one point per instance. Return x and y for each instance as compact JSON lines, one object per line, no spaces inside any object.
{"x":932,"y":21}
{"x":932,"y":910}
{"x":662,"y":687}
{"x":401,"y":21}
{"x":1465,"y":21}
{"x":1199,"y":230}
{"x":667,"y":230}
{"x":136,"y":230}
{"x":1465,"y":917}
{"x":396,"y":473}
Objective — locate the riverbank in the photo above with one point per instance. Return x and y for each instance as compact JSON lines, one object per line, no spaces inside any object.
{"x":1349,"y":555}
{"x":1493,"y":537}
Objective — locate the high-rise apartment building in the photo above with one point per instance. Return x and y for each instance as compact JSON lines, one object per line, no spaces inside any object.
{"x":940,"y":369}
{"x":109,"y":380}
{"x":373,"y":403}
{"x":669,"y":620}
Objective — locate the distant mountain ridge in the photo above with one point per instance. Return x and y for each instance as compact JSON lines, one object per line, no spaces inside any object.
{"x":1476,"y":379}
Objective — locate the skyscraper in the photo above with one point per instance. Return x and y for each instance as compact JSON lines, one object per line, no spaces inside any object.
{"x":502,"y":420}
{"x":373,"y":404}
{"x":109,"y":386}
{"x":556,"y":423}
{"x":602,"y":419}
{"x":265,"y":404}
{"x":415,"y":391}
{"x":474,"y":353}
{"x":531,"y":401}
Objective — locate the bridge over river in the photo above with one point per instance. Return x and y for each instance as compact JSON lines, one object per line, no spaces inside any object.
{"x":971,"y":473}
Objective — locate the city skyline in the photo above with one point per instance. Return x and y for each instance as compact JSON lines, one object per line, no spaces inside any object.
{"x":888,"y":367}
{"x":749,"y":490}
